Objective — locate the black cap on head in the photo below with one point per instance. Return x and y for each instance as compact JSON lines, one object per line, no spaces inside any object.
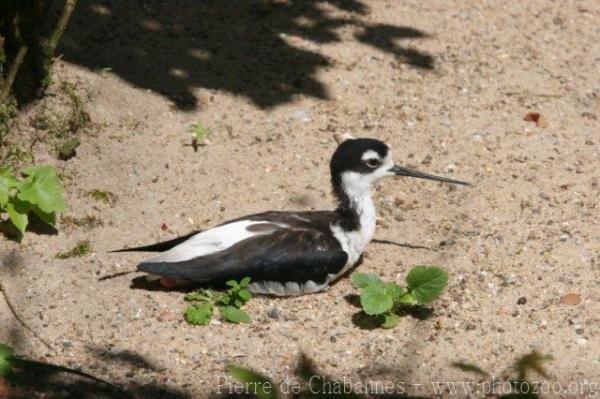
{"x":348,"y":156}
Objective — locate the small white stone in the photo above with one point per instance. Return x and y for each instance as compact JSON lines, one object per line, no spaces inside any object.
{"x":301,"y":115}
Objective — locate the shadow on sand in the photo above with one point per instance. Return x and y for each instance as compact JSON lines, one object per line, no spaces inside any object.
{"x":265,"y":50}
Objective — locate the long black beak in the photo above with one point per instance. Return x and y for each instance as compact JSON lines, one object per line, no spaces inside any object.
{"x":402,"y":171}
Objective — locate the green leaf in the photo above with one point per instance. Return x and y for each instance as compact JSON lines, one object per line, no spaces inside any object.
{"x":363,"y":280}
{"x":233,"y":284}
{"x":49,"y":218}
{"x":256,"y":383}
{"x":393,"y":290}
{"x":245,"y":295}
{"x":390,"y":320}
{"x":17,"y":212}
{"x":42,"y":188}
{"x":407,"y":299}
{"x":426,"y":283}
{"x":6,"y":353}
{"x":224,"y":300}
{"x":234,"y":315}
{"x":375,"y":300}
{"x":245,"y":281}
{"x":199,"y":296}
{"x":199,"y":315}
{"x":7,"y":181}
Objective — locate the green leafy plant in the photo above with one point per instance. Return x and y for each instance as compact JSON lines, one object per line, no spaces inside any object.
{"x":81,"y":249}
{"x":12,"y":366}
{"x":40,"y":193}
{"x":229,"y":304}
{"x":384,"y":300}
{"x":199,"y":135}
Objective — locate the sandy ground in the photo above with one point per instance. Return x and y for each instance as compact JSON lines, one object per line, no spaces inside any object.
{"x":446,"y":84}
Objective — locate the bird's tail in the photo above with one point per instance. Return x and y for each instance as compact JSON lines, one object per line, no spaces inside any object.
{"x":179,"y":270}
{"x":159,"y":247}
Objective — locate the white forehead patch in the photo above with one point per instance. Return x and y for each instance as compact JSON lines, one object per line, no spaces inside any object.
{"x":370,"y":154}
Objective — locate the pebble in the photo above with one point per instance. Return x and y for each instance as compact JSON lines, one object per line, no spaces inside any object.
{"x":167,"y":316}
{"x":572,"y":299}
{"x":274,"y":313}
{"x":301,"y":115}
{"x":564,"y":237}
{"x":447,"y":242}
{"x":522,"y":301}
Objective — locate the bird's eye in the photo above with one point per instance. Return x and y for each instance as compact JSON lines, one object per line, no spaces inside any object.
{"x":373,"y":162}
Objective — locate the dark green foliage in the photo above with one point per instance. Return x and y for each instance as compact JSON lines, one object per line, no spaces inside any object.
{"x":40,"y":192}
{"x":384,"y":301}
{"x":228,"y":303}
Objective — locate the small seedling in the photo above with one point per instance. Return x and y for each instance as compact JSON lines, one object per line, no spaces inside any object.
{"x":199,"y":135}
{"x":229,"y":304}
{"x":88,"y":221}
{"x":68,"y":149}
{"x":40,"y":192}
{"x":47,"y":81}
{"x":102,"y":196}
{"x":81,"y":249}
{"x":385,"y":300}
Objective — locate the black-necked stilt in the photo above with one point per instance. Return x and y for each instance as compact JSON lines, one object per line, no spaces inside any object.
{"x":289,"y":253}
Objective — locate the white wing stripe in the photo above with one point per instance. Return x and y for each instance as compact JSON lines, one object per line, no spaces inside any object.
{"x":210,"y":241}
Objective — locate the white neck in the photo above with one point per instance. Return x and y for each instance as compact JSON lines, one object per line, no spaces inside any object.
{"x":354,"y":242}
{"x":362,"y":203}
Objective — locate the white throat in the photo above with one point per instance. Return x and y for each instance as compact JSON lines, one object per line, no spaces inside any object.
{"x":354,"y":242}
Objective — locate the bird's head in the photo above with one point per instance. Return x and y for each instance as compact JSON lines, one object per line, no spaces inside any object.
{"x":358,"y":164}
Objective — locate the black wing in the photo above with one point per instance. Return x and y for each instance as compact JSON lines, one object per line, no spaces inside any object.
{"x":314,"y":219}
{"x":285,"y":255}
